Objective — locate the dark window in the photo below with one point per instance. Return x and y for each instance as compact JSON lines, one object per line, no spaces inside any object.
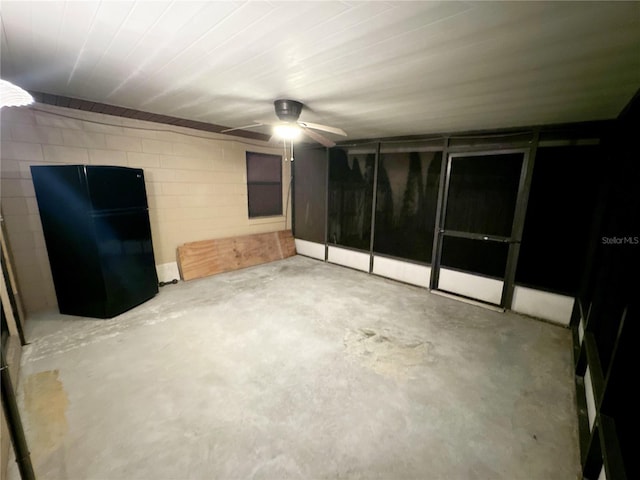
{"x":407,"y":194}
{"x":264,"y":184}
{"x":477,"y":256}
{"x":310,"y":193}
{"x":564,"y":192}
{"x":482,"y":193}
{"x":350,"y":197}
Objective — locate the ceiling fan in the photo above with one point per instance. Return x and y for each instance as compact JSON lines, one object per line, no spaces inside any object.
{"x":288,"y":111}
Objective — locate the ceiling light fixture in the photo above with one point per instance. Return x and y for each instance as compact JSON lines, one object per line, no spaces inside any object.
{"x":287,"y":132}
{"x":13,"y":96}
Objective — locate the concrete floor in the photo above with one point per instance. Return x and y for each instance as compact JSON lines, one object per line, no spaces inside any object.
{"x":299,"y":369}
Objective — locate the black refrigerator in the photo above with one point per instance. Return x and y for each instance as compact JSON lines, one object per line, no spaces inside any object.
{"x":96,"y":228}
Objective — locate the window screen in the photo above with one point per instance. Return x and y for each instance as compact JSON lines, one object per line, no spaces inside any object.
{"x":407,"y":194}
{"x":264,"y":184}
{"x":483,"y":192}
{"x":564,"y":192}
{"x":310,"y":193}
{"x":350,"y":196}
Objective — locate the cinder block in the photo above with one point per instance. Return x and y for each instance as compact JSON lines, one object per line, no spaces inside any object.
{"x":11,"y":187}
{"x":104,"y":126}
{"x":64,"y":154}
{"x":157,"y":146}
{"x":141,"y":129}
{"x":159,"y":175}
{"x":10,"y":150}
{"x":33,"y":299}
{"x":17,"y":116}
{"x":27,"y":188}
{"x":124,"y":143}
{"x":38,"y":241}
{"x":53,"y":119}
{"x":20,"y":240}
{"x":186,"y":163}
{"x":9,"y":168}
{"x":230,"y":177}
{"x":15,"y":206}
{"x":143,"y":160}
{"x":35,"y":224}
{"x":36,"y":134}
{"x":192,"y":150}
{"x":178,"y":188}
{"x":194,"y":201}
{"x":230,"y":212}
{"x":194,"y":176}
{"x":153,"y":188}
{"x":80,"y":138}
{"x":108,"y":157}
{"x":32,"y":206}
{"x":173,"y":214}
{"x":231,"y":189}
{"x":18,"y":224}
{"x":165,"y":202}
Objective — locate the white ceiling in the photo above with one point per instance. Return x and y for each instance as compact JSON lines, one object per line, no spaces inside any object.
{"x":375,"y":69}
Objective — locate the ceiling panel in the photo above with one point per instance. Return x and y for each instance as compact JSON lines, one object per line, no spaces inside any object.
{"x":375,"y":69}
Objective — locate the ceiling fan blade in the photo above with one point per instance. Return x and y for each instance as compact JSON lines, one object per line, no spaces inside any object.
{"x":275,"y":140}
{"x":259,"y":124}
{"x":317,"y":137}
{"x":324,"y":128}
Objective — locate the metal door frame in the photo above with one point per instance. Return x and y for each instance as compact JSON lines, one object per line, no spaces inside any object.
{"x":517,"y":225}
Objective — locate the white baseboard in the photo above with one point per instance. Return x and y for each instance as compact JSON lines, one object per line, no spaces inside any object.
{"x":590,"y":398}
{"x":402,"y":271}
{"x":349,"y":258}
{"x":470,"y":285}
{"x":310,"y":249}
{"x":548,"y":306}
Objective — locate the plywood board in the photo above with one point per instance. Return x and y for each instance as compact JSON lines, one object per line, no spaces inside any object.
{"x":209,"y":257}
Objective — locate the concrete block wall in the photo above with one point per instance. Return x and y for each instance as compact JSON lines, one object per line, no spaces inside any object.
{"x":195,"y":181}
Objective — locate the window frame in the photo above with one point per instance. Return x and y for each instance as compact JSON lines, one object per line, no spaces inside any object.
{"x":249,"y":156}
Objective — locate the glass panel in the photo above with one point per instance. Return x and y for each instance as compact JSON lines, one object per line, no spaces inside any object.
{"x":350,"y":196}
{"x":482,"y":193}
{"x":407,"y":196}
{"x":310,"y":177}
{"x":478,"y":256}
{"x":265,"y":200}
{"x":263,"y":168}
{"x":559,"y":215}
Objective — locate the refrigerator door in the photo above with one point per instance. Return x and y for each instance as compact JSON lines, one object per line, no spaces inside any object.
{"x":115,"y":188}
{"x":69,"y":235}
{"x":126,"y":258}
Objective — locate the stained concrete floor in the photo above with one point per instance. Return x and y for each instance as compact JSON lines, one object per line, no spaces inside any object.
{"x":299,"y":369}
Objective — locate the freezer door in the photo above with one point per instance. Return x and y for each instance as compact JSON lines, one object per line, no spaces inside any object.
{"x":116,"y":188}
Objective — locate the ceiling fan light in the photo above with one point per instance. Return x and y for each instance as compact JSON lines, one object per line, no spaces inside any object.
{"x":287,"y":132}
{"x":13,"y":96}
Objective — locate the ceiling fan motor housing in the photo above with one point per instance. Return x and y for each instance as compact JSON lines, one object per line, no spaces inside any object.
{"x":288,"y":110}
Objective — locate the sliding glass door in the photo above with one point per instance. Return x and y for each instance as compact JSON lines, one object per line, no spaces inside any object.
{"x":481,"y":224}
